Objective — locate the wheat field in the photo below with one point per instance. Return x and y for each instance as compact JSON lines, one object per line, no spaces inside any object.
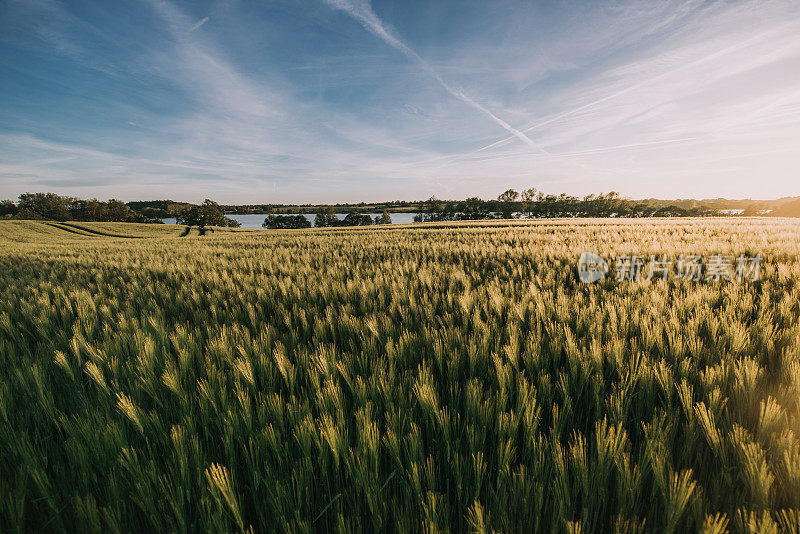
{"x":403,"y":379}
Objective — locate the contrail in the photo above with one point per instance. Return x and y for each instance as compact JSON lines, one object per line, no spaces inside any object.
{"x":362,"y":12}
{"x":199,"y":23}
{"x":518,"y":134}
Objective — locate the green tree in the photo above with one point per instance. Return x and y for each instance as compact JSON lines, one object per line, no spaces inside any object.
{"x":354,"y":218}
{"x":209,"y":213}
{"x":86,"y":210}
{"x":529,"y":197}
{"x":433,"y":209}
{"x":47,"y":206}
{"x":507,"y":201}
{"x":474,"y":208}
{"x":7,"y":208}
{"x":191,"y":217}
{"x":286,"y":222}
{"x":116,"y":211}
{"x":385,"y":218}
{"x":326,"y":217}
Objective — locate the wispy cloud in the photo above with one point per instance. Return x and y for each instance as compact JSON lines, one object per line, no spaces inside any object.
{"x":53,"y":25}
{"x":361,"y":10}
{"x":670,"y":98}
{"x":712,"y":57}
{"x":204,"y":70}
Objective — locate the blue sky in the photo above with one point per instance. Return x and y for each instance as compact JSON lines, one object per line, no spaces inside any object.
{"x":349,"y":100}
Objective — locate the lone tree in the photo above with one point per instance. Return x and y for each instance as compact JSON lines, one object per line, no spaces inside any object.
{"x":507,"y":201}
{"x":209,"y":213}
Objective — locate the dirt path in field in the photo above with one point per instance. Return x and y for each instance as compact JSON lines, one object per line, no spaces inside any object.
{"x":70,"y":230}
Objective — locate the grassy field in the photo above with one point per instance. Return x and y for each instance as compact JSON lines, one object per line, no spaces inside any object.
{"x":424,"y":378}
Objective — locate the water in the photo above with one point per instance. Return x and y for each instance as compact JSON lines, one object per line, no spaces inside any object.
{"x":254,"y":221}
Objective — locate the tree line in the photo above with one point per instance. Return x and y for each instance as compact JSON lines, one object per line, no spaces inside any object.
{"x":530,"y":203}
{"x":535,"y":204}
{"x":162,"y":209}
{"x":53,"y":207}
{"x":324,"y":218}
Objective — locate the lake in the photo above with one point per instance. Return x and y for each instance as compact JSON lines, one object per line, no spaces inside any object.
{"x":254,"y":221}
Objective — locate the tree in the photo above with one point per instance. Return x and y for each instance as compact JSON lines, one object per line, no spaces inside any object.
{"x":191,"y":217}
{"x":433,"y":208}
{"x":507,"y":201}
{"x":611,"y":204}
{"x":384,"y":218}
{"x":326,"y":217}
{"x":354,"y":218}
{"x":528,"y":199}
{"x":567,"y":205}
{"x":286,"y":222}
{"x":116,"y":211}
{"x":47,"y":206}
{"x":437,"y":210}
{"x":86,"y":210}
{"x":209,"y":213}
{"x":7,"y":208}
{"x":213,"y":214}
{"x":474,"y":208}
{"x":53,"y":207}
